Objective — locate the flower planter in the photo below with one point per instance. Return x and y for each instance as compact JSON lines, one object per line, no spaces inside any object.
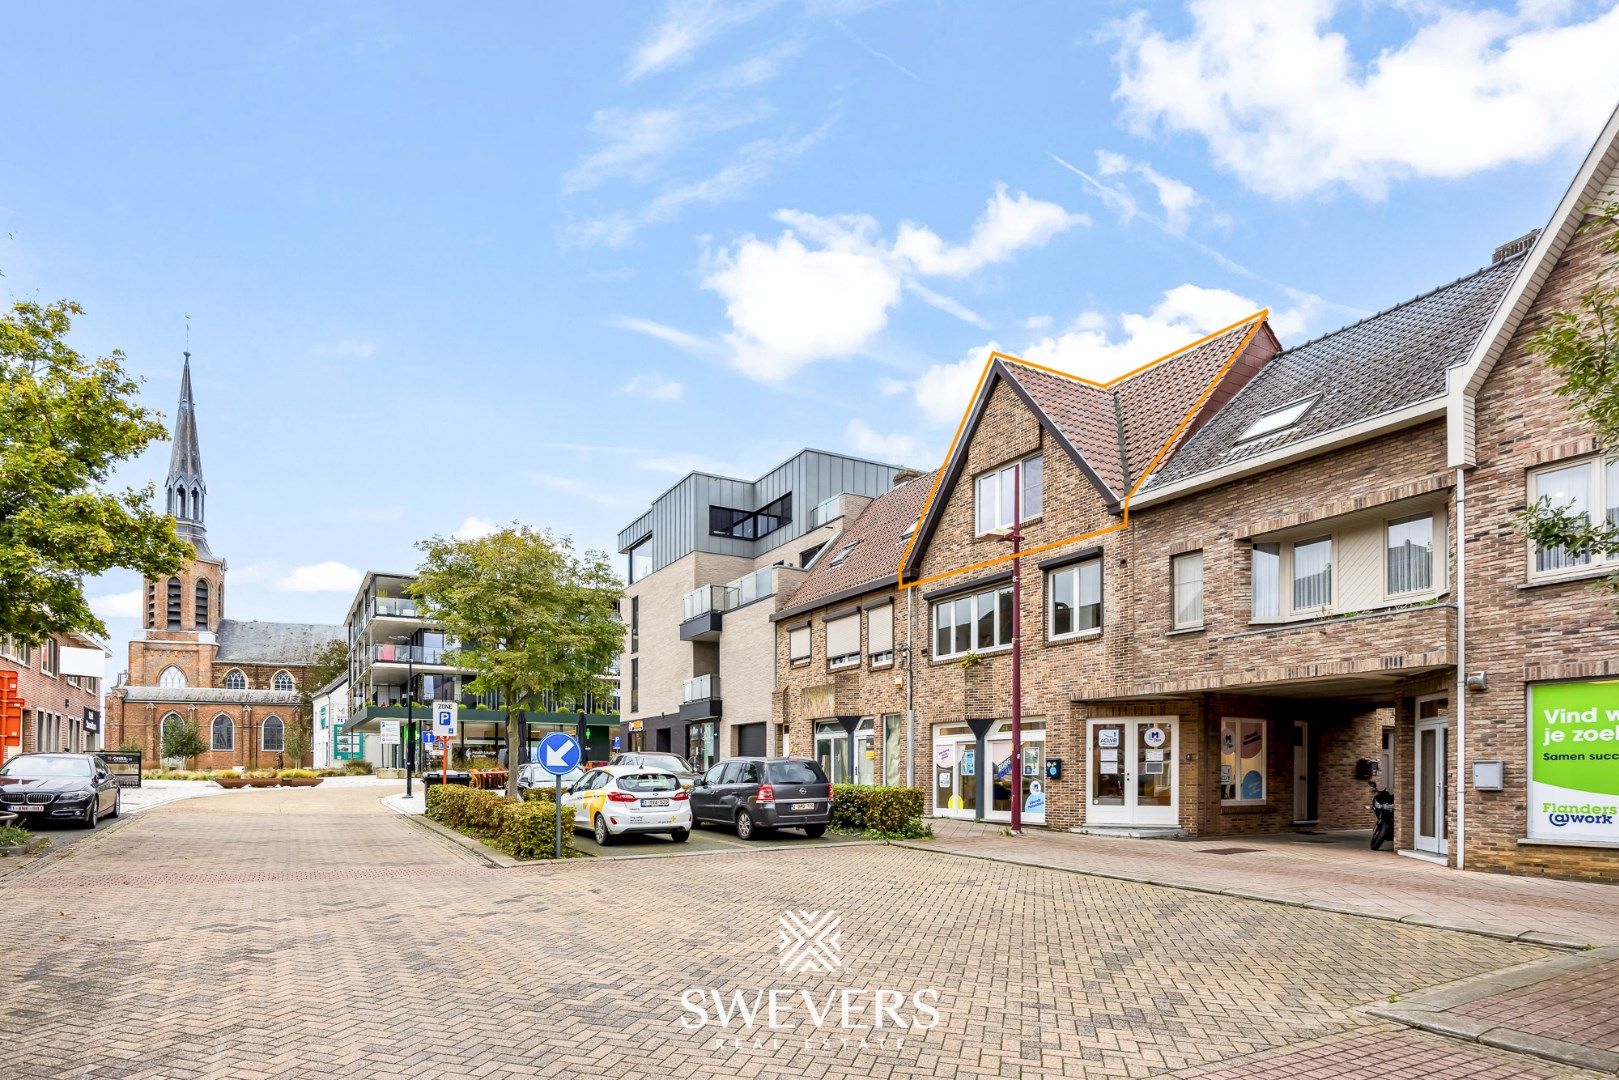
{"x":233,"y":782}
{"x":262,"y":781}
{"x":300,"y":781}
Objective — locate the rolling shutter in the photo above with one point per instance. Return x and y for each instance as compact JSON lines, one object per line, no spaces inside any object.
{"x":843,"y":636}
{"x":880,"y":630}
{"x":798,"y":643}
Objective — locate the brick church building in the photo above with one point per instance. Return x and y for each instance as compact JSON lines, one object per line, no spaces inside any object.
{"x":239,"y":681}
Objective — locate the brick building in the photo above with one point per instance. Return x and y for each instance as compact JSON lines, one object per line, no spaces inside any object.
{"x":1243,"y":587}
{"x":239,"y":681}
{"x":61,"y":699}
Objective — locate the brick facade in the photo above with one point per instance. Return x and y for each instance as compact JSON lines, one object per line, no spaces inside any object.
{"x":53,"y":717}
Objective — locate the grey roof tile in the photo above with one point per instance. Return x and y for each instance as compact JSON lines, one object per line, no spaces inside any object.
{"x":254,"y":642}
{"x":1385,"y":362}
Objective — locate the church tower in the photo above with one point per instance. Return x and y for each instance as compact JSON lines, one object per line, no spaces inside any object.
{"x":191,"y":602}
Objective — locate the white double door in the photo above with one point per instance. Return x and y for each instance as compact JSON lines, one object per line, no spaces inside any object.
{"x":1131,"y":774}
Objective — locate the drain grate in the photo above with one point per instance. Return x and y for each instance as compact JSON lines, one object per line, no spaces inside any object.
{"x":1228,"y":850}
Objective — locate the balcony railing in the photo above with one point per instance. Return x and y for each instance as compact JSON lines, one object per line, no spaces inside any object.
{"x":406,"y":654}
{"x":702,"y":688}
{"x":826,"y":510}
{"x":397,"y":606}
{"x":702,"y":601}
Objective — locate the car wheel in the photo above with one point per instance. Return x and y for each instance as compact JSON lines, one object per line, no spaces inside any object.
{"x":604,"y":835}
{"x":814,"y":831}
{"x":117,"y":804}
{"x":745,"y":827}
{"x":90,"y":814}
{"x":680,"y":836}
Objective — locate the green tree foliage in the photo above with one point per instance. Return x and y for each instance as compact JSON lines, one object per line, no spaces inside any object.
{"x":182,"y":740}
{"x":529,"y":615}
{"x":65,"y":423}
{"x":1582,"y":345}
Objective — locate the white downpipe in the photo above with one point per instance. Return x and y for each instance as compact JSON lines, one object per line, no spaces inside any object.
{"x":910,"y":687}
{"x":1461,"y":668}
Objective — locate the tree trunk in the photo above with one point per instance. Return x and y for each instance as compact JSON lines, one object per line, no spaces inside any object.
{"x":514,"y":718}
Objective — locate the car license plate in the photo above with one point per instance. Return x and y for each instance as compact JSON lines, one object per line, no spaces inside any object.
{"x":800,"y":807}
{"x":29,"y":808}
{"x":654,"y":802}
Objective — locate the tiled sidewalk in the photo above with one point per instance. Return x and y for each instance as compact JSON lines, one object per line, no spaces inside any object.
{"x":1343,"y":877}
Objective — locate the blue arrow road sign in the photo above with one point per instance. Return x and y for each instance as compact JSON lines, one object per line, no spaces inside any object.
{"x":559,"y":753}
{"x":428,"y":738}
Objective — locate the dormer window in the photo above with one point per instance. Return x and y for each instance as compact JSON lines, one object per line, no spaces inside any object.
{"x":1278,"y":421}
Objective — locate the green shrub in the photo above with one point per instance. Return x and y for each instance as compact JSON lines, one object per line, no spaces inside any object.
{"x":330,"y":772}
{"x":528,"y":829}
{"x":11,"y":835}
{"x":446,"y":803}
{"x":543,"y":794}
{"x":298,"y":774}
{"x":888,"y":812}
{"x":356,"y":768}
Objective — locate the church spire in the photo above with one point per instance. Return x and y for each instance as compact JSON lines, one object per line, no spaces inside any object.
{"x":186,"y":490}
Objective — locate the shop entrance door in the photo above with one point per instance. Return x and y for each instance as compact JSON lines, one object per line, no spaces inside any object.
{"x":1432,"y":833}
{"x":999,"y":746}
{"x":1131,"y":774}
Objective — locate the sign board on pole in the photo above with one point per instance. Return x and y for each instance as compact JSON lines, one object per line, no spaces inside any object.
{"x":445,"y":714}
{"x":389,"y":730}
{"x":559,"y":753}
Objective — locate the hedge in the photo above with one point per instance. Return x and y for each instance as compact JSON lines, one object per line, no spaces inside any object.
{"x":524,"y":830}
{"x":887,"y":810}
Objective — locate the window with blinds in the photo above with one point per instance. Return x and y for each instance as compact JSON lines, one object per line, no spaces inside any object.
{"x":843,"y":641}
{"x":1187,"y":571}
{"x":798,"y":645}
{"x":880,"y":634}
{"x":1312,"y":574}
{"x":1410,"y":554}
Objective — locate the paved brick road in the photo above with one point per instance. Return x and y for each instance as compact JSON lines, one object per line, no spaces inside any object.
{"x":313,"y":933}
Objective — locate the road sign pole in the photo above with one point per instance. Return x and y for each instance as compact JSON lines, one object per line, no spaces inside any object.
{"x":559,"y":815}
{"x":444,"y":758}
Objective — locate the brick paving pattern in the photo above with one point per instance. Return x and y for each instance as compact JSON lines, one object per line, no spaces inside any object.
{"x":304,"y":933}
{"x":1580,"y":1007}
{"x":1347,"y":876}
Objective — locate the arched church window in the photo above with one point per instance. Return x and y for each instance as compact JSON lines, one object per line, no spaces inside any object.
{"x":235,"y":680}
{"x":224,"y":733}
{"x":273,"y":735}
{"x":283,"y":681}
{"x":172,"y":678}
{"x":169,"y":720}
{"x":174,"y":603}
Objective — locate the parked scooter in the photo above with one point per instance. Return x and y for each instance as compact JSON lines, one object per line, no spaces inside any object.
{"x":1382,"y":809}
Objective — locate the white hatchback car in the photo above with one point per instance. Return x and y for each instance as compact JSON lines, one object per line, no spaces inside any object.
{"x":617,"y":799}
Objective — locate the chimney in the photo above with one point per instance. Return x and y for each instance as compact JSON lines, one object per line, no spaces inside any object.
{"x":1514,"y":247}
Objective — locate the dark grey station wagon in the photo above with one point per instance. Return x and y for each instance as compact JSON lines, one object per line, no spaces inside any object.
{"x":755,"y":795}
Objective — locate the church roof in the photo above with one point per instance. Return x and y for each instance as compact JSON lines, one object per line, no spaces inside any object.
{"x":185,"y":460}
{"x":256,"y":642}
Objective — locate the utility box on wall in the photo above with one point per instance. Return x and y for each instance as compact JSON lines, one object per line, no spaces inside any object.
{"x":1489,"y":776}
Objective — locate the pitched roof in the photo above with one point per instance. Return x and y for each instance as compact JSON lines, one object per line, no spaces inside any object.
{"x":1119,"y":427}
{"x":1383,"y":363}
{"x":206,"y":694}
{"x":253,"y":642}
{"x":879,"y":538}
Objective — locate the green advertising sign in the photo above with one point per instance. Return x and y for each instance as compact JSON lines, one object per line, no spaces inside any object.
{"x":1574,"y":761}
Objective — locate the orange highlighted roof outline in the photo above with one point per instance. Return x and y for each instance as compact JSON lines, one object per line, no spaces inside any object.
{"x":1257,"y":320}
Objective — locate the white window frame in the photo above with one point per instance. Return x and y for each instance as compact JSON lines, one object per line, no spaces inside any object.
{"x":883,"y":657}
{"x":845,"y":659}
{"x":1433,"y":550}
{"x":1003,"y":514}
{"x":178,"y":674}
{"x":794,"y":657}
{"x":977,"y":598}
{"x":276,"y":679}
{"x":1051,"y":600}
{"x":1279,"y":420}
{"x":1253,"y":605}
{"x":1293,"y":571}
{"x":1599,"y":494}
{"x":1264,"y":760}
{"x":843,"y":553}
{"x":238,"y":673}
{"x":1175,"y":584}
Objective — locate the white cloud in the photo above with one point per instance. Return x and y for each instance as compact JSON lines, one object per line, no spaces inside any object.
{"x":897,"y":449}
{"x":474,"y":528}
{"x":635,"y":140}
{"x":1176,"y":197}
{"x":356,"y":350}
{"x":1286,"y":107}
{"x":792,"y":302}
{"x":123,"y":605}
{"x":686,"y":26}
{"x":1037,"y":322}
{"x":1008,"y":224}
{"x":653,"y":386}
{"x":943,"y":390}
{"x":663,"y":332}
{"x":254,"y":572}
{"x":327,"y":576}
{"x":888,"y":386}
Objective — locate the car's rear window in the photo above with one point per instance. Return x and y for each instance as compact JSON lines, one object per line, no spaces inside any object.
{"x":649,"y":782}
{"x":662,"y":761}
{"x":796,"y":772}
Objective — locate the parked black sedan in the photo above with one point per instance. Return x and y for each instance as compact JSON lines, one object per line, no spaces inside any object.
{"x":58,"y":787}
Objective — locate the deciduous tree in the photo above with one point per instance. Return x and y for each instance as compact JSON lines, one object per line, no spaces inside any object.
{"x":527,"y":613}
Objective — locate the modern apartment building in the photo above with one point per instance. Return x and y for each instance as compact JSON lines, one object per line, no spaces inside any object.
{"x":708,"y":563}
{"x":398,"y":666}
{"x":1259,"y":580}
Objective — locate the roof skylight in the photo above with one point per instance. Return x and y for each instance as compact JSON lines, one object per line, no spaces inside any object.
{"x":837,"y":560}
{"x":1278,"y":421}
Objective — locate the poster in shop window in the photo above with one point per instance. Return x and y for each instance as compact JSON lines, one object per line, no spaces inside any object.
{"x":1574,"y":761}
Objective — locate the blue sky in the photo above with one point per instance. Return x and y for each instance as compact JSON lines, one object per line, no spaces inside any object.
{"x":447,"y":268}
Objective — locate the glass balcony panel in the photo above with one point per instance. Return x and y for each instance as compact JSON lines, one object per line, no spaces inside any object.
{"x":702,"y":688}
